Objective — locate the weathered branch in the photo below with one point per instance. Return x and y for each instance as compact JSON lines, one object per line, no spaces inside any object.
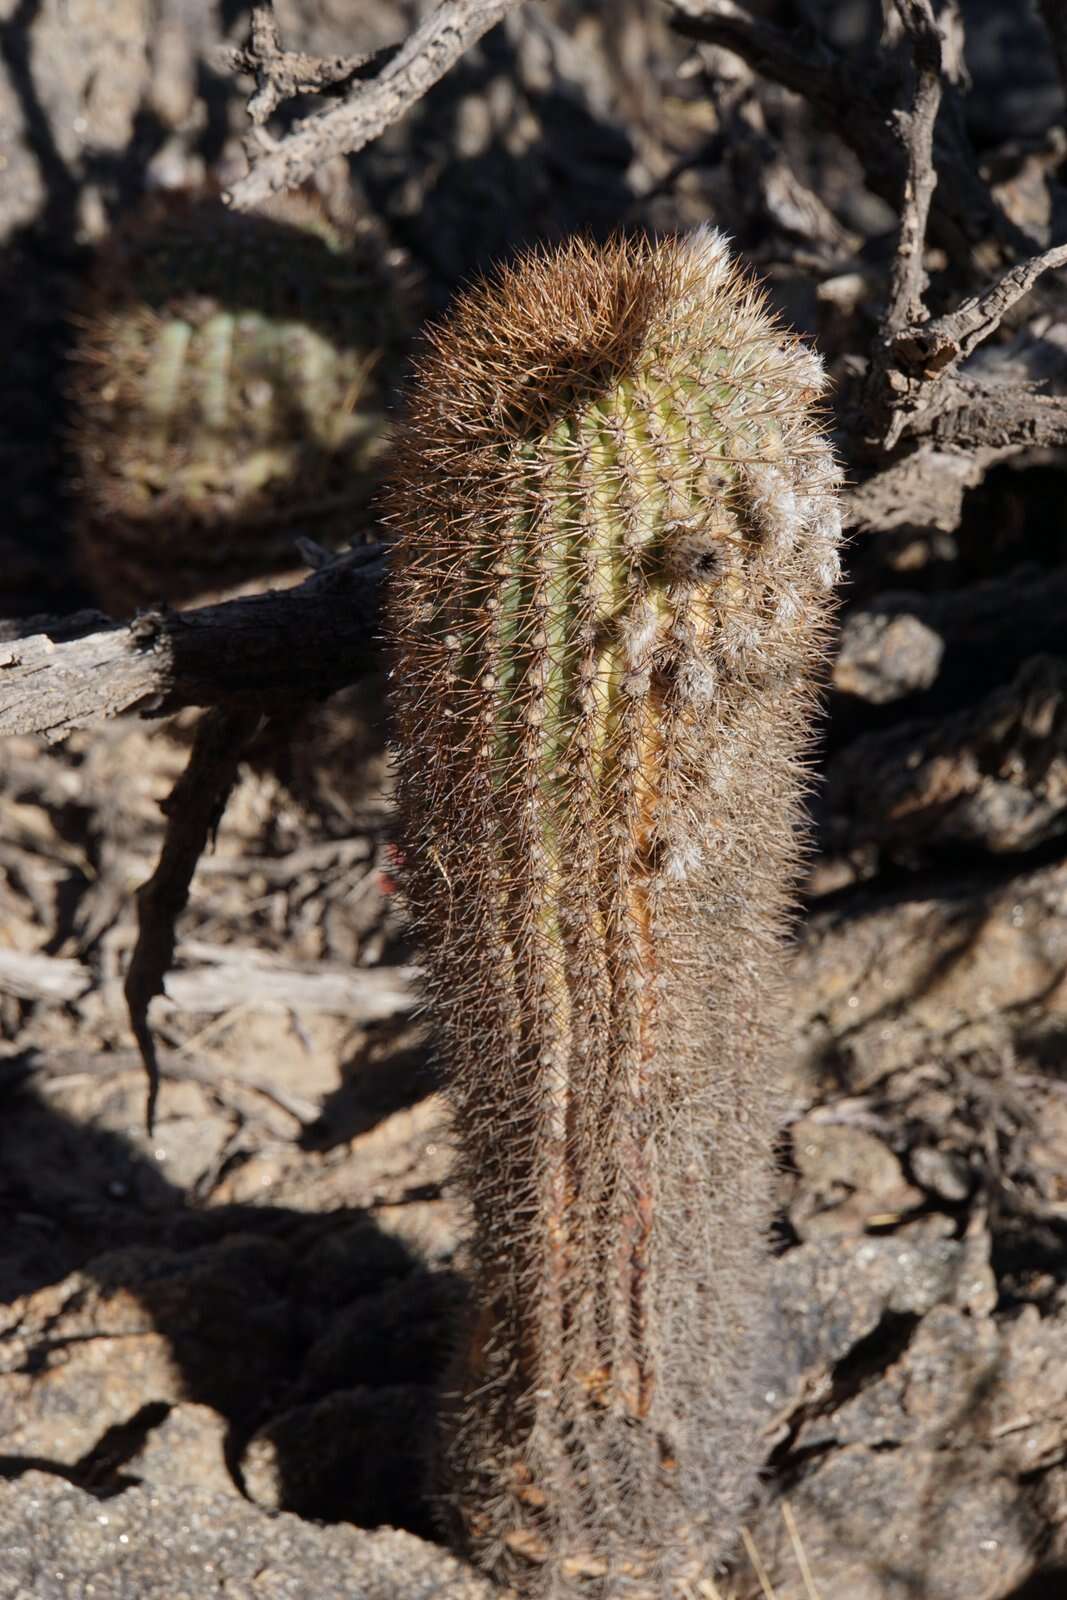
{"x":972,"y":414}
{"x":193,"y":811}
{"x":913,"y":388}
{"x":282,"y":74}
{"x":259,"y":653}
{"x":213,"y":979}
{"x":909,"y":280}
{"x":856,"y":101}
{"x":936,"y":347}
{"x":425,"y":56}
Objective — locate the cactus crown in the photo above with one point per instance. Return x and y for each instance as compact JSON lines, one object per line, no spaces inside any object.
{"x":616,"y":536}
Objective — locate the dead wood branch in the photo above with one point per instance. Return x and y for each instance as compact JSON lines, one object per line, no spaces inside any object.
{"x":193,"y":811}
{"x":232,"y":977}
{"x":925,"y":489}
{"x":57,"y":980}
{"x":262,"y":652}
{"x":912,"y":391}
{"x":280,"y":74}
{"x":909,"y":280}
{"x":972,"y":414}
{"x":371,"y":107}
{"x":856,"y":100}
{"x":886,"y":415}
{"x":936,"y":347}
{"x":211,"y":980}
{"x":919,"y":161}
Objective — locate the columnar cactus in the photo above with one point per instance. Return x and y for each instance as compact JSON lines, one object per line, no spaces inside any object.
{"x":230,"y":383}
{"x":616,"y":537}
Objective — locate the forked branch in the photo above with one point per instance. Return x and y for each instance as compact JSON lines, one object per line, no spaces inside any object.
{"x":369,"y":108}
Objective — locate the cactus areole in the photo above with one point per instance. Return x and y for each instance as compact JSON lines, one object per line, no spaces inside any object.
{"x":616,"y":539}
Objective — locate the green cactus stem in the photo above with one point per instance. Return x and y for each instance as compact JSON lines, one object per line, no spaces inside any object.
{"x":230,"y":382}
{"x":616,"y":538}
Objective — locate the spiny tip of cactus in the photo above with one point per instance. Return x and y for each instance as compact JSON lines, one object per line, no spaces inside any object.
{"x":658,"y":370}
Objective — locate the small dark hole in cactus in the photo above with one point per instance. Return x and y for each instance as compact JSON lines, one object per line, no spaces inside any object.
{"x":707,"y":564}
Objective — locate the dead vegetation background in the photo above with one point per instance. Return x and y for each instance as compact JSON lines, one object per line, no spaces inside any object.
{"x":219,"y":1342}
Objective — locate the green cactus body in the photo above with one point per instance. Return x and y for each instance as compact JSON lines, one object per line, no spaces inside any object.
{"x":617,"y":535}
{"x":232,"y":373}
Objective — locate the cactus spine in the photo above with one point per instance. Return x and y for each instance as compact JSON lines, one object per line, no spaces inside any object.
{"x":616,"y":538}
{"x":231,"y":377}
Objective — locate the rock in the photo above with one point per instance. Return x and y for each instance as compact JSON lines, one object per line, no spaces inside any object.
{"x":933,"y":1394}
{"x":954,"y":1435}
{"x":833,"y":1293}
{"x":848,"y":1180}
{"x":938,"y":970}
{"x":991,"y":777}
{"x":942,"y":1172}
{"x":1024,"y":1412}
{"x":885,"y":657}
{"x":186,"y":1450}
{"x":899,"y":1524}
{"x":138,"y":1328}
{"x":180,"y":1543}
{"x":87,"y":63}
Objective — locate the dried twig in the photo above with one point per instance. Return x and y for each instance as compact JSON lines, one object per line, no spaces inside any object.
{"x":54,"y":979}
{"x":856,"y":102}
{"x":193,"y":813}
{"x":909,"y":280}
{"x":263,"y":651}
{"x":371,"y":107}
{"x":885,"y":416}
{"x":936,"y":347}
{"x":217,"y":980}
{"x":912,"y":390}
{"x":282,"y":74}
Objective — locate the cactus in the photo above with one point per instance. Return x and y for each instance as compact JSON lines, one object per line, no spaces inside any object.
{"x":230,"y":383}
{"x":616,"y":540}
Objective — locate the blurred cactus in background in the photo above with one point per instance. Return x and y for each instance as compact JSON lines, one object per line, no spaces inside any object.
{"x":231,"y":379}
{"x":617,"y":529}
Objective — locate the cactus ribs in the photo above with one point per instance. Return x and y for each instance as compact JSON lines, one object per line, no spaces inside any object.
{"x":231,"y":379}
{"x":616,"y":540}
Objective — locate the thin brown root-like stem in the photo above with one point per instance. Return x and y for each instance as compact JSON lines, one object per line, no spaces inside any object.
{"x":193,"y":810}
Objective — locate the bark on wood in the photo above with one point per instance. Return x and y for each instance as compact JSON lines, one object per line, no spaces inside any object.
{"x":252,"y":654}
{"x":426,"y":55}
